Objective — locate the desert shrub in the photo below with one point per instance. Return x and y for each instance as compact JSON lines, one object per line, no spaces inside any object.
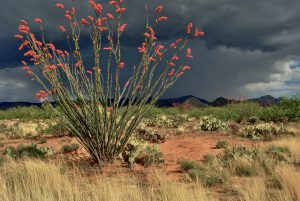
{"x":152,"y":136}
{"x":222,"y":144}
{"x":288,"y":109}
{"x":134,"y":148}
{"x":236,"y":152}
{"x":207,"y":176}
{"x":69,"y":148}
{"x":2,"y":144}
{"x":13,"y":131}
{"x":188,"y":165}
{"x":244,"y":168}
{"x":222,"y":113}
{"x":213,"y":179}
{"x":27,"y":113}
{"x":265,"y":131}
{"x":210,"y":123}
{"x":167,"y":121}
{"x":273,"y":114}
{"x":139,"y":151}
{"x":279,"y":153}
{"x":208,"y":158}
{"x":42,"y":140}
{"x":56,"y":129}
{"x":233,"y":128}
{"x":245,"y":110}
{"x":151,"y":156}
{"x":99,"y":106}
{"x":31,"y":151}
{"x":253,"y":119}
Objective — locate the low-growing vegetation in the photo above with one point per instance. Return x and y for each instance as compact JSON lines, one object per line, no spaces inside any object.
{"x":267,"y":170}
{"x":31,"y":151}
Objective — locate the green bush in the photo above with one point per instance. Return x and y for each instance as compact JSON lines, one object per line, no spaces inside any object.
{"x":166,"y":121}
{"x":208,"y":158}
{"x":42,"y":140}
{"x":209,"y":177}
{"x":244,"y":170}
{"x":151,"y":156}
{"x":265,"y":131}
{"x":27,"y":113}
{"x":210,"y":123}
{"x":70,"y":148}
{"x":31,"y":151}
{"x":2,"y":144}
{"x":13,"y":131}
{"x":279,"y":153}
{"x":57,"y":129}
{"x":187,"y":165}
{"x":222,"y":144}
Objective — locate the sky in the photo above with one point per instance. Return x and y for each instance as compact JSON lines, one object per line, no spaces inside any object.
{"x":250,"y":48}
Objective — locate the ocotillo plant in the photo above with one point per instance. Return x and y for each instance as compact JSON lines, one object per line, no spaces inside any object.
{"x":100,"y":111}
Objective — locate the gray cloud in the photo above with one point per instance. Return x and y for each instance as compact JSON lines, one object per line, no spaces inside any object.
{"x":248,"y":48}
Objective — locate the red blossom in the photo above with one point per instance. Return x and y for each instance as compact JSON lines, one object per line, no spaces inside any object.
{"x":29,"y":53}
{"x":107,"y":48}
{"x":198,"y":33}
{"x":176,"y":58}
{"x":24,"y":22}
{"x":188,"y":53}
{"x":38,"y":20}
{"x":23,"y":44}
{"x":120,"y":10}
{"x":121,"y":65}
{"x":110,"y":16}
{"x":171,"y":64}
{"x":28,"y":73}
{"x":23,"y":29}
{"x":19,"y":36}
{"x":147,"y":35}
{"x":27,"y":68}
{"x":110,"y":109}
{"x":68,"y":17}
{"x":24,"y":63}
{"x":39,"y":43}
{"x":159,"y":8}
{"x":51,"y":46}
{"x":173,"y":45}
{"x":179,"y":74}
{"x":151,"y":59}
{"x":62,"y":29}
{"x":186,"y":68}
{"x":163,"y":18}
{"x":90,"y":18}
{"x":121,"y":29}
{"x":171,"y":72}
{"x":60,"y":5}
{"x":113,"y":3}
{"x":41,"y":95}
{"x":84,"y":21}
{"x":189,"y":27}
{"x":109,"y":39}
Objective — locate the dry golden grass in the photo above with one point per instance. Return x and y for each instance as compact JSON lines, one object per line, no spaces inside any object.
{"x":35,"y":180}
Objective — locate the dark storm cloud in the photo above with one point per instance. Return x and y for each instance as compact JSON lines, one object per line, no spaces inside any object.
{"x":248,"y":48}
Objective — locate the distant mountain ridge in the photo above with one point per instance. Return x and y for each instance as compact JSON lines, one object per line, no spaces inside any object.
{"x":189,"y":100}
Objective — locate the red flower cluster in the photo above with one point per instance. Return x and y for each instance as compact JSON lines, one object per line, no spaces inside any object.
{"x":42,"y":95}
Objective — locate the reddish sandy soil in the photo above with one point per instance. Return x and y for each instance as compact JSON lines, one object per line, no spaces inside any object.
{"x":194,"y":147}
{"x":177,"y":147}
